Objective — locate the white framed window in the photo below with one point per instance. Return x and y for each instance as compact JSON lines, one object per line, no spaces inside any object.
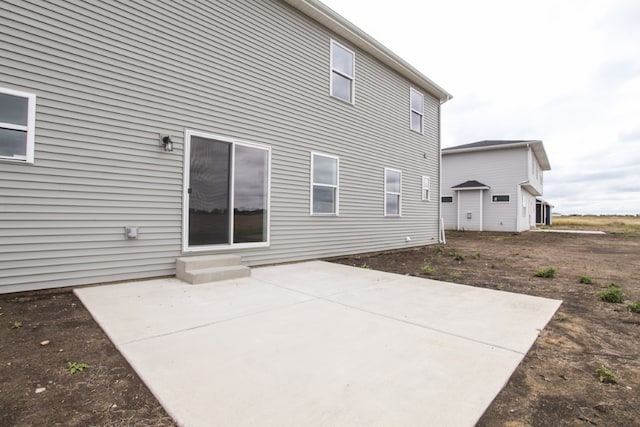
{"x":417,"y":110}
{"x":500,"y":198}
{"x":426,"y":189}
{"x":392,"y":192}
{"x":446,"y":199}
{"x":324,"y":184}
{"x":342,"y":81}
{"x":17,"y":125}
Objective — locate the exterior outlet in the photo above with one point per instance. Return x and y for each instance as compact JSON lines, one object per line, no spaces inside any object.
{"x":131,"y":232}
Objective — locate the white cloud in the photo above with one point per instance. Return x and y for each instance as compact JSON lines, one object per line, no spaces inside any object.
{"x":565,"y":72}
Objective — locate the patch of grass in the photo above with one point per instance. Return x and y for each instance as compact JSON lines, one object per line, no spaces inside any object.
{"x":547,"y":273}
{"x":606,"y":376}
{"x":561,"y":317}
{"x":428,"y":270}
{"x":613,"y":294}
{"x":17,"y":324}
{"x":634,"y":307}
{"x":586,"y":280}
{"x":365,"y":265}
{"x":477,"y":255}
{"x":439,"y":250}
{"x":73,"y":367}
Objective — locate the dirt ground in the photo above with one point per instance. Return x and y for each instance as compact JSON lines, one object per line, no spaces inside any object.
{"x":556,"y":385}
{"x":35,"y":387}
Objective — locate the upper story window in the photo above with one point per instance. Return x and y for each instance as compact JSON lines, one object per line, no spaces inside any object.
{"x":417,"y":110}
{"x":17,"y":125}
{"x":392,"y":192}
{"x":342,"y":72}
{"x":324,"y":184}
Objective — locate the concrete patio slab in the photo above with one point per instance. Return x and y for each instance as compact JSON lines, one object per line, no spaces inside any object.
{"x":320,"y":344}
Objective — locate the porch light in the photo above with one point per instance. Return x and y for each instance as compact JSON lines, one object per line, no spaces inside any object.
{"x":167,"y":143}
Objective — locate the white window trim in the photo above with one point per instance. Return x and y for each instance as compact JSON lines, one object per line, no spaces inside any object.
{"x":411,"y":111}
{"x":500,"y":194}
{"x":312,"y":184}
{"x":29,"y":128}
{"x":185,"y":197}
{"x":425,"y":187}
{"x":399,"y":214}
{"x":446,"y":195}
{"x":351,"y":78}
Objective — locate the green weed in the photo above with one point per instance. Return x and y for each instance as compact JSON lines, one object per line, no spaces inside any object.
{"x":73,"y":367}
{"x":586,"y":280}
{"x":547,"y":273}
{"x":17,"y":324}
{"x":428,"y":270}
{"x":634,"y":307}
{"x":456,"y":255}
{"x":613,"y":294}
{"x":606,"y":376}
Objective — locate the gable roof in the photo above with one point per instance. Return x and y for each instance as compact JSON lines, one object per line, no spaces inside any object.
{"x":345,"y":29}
{"x":536,"y":146}
{"x":471,"y":185}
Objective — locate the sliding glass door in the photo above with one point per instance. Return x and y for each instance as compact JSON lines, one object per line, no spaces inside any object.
{"x":227,"y":193}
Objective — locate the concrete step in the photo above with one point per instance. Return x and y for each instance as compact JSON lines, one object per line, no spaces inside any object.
{"x":210,"y":268}
{"x":206,"y":261}
{"x":215,"y":274}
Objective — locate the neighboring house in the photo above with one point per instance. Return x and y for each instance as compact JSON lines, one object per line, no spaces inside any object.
{"x":132,"y":133}
{"x":493,"y":185}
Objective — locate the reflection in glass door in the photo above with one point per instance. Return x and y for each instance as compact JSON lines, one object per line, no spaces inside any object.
{"x":209,"y":192}
{"x":226,"y":177}
{"x":250,"y":194}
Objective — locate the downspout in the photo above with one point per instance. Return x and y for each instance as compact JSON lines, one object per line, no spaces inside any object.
{"x":440,"y":219}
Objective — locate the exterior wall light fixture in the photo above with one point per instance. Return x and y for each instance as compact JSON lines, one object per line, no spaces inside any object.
{"x":166,"y":142}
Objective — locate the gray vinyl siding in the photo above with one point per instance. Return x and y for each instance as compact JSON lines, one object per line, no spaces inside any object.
{"x":501,"y":170}
{"x":110,"y":77}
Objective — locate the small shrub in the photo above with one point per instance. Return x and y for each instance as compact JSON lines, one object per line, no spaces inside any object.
{"x":428,"y":270}
{"x":17,"y":324}
{"x":477,"y":255}
{"x":365,"y":265}
{"x":561,"y":317}
{"x":439,"y":250}
{"x":586,"y":280}
{"x":634,"y":307}
{"x":73,"y":367}
{"x":613,"y":294}
{"x":606,"y":376}
{"x":547,"y":273}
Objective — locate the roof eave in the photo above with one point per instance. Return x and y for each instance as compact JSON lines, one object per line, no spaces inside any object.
{"x":336,"y":23}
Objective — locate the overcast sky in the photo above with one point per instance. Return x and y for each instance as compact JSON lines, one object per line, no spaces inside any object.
{"x":566,"y":72}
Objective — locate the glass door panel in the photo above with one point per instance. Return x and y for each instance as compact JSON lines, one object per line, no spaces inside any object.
{"x":209,"y":190}
{"x":250,"y":194}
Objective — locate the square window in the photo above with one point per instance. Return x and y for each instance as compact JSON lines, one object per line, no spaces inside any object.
{"x":17,"y":125}
{"x":392,"y":192}
{"x":342,"y":72}
{"x":324,"y":184}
